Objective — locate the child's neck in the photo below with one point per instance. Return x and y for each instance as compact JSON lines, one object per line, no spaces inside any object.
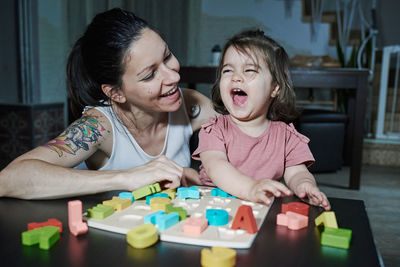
{"x":254,"y":127}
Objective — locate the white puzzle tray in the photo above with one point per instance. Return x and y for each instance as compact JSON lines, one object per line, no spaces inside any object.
{"x":133,"y":216}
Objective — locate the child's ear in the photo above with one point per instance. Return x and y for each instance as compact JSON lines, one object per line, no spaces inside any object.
{"x":275,"y":92}
{"x":113,"y":93}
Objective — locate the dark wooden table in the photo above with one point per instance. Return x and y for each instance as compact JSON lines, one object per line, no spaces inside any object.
{"x":354,"y":80}
{"x":273,"y":246}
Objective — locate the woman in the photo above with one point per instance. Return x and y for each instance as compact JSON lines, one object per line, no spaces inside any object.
{"x":136,"y":123}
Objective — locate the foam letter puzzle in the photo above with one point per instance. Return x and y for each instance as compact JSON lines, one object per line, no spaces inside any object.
{"x":196,"y":209}
{"x":336,"y":237}
{"x":188,"y":192}
{"x":158,"y":203}
{"x":195,"y":226}
{"x":292,"y":220}
{"x":244,"y":219}
{"x":146,"y":190}
{"x":100,"y":212}
{"x":52,"y":222}
{"x":46,"y":237}
{"x":181,"y":212}
{"x":298,"y":207}
{"x":118,"y":203}
{"x":75,"y":222}
{"x":218,"y":256}
{"x":328,"y":219}
{"x":217,"y":217}
{"x":142,"y":236}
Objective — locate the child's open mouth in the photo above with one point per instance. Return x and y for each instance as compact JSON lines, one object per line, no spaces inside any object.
{"x":239,"y":97}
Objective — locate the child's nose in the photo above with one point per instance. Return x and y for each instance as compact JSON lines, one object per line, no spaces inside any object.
{"x":236,"y":78}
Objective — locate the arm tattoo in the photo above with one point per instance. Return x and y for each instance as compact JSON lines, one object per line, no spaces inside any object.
{"x":194,"y":111}
{"x":77,"y":136}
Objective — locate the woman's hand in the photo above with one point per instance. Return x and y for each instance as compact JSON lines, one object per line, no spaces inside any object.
{"x":310,"y":193}
{"x":264,"y":190}
{"x":160,"y":170}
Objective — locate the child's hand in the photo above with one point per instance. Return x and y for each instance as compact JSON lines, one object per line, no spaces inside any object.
{"x":264,"y":190}
{"x":310,"y":193}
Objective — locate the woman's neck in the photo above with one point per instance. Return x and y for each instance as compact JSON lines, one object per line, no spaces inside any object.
{"x":140,"y":121}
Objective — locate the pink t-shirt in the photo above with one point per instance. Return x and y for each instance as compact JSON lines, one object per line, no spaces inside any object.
{"x":265,"y":156}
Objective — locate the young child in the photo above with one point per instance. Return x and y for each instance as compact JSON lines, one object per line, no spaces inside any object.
{"x":250,"y":147}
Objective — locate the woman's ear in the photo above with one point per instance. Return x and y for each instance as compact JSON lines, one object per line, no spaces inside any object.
{"x":113,"y":93}
{"x":276,"y":91}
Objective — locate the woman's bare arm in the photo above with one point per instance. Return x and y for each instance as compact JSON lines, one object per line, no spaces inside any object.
{"x":46,"y":171}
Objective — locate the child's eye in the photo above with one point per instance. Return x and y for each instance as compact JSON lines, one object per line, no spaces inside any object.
{"x":226,"y":71}
{"x":250,"y":70}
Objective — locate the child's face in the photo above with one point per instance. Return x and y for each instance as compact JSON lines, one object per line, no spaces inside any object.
{"x":246,"y":88}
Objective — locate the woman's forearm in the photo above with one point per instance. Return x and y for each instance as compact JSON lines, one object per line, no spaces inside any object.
{"x":37,"y":179}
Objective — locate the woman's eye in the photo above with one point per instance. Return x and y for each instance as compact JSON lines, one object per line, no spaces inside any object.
{"x":149,"y":77}
{"x":168,"y":56}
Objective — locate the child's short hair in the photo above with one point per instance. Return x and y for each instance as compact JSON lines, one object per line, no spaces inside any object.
{"x":254,"y":43}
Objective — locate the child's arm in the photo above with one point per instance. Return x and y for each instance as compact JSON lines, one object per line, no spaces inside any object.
{"x":228,"y":178}
{"x":303,"y":184}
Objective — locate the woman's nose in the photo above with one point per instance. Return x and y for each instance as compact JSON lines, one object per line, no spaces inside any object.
{"x":171,"y":75}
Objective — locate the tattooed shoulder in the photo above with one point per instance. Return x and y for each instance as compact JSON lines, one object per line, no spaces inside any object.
{"x":78,"y":135}
{"x":194,"y":111}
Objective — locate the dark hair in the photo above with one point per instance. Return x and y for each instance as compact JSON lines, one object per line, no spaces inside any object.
{"x":254,"y":43}
{"x":98,"y":57}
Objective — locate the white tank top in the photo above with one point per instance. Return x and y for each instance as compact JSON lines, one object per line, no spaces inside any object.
{"x":126,"y":152}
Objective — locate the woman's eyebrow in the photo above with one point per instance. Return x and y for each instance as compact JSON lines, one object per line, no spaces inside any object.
{"x":154,"y":64}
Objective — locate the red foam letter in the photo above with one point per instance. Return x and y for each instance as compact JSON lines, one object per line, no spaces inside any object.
{"x":297,"y":207}
{"x":244,"y":219}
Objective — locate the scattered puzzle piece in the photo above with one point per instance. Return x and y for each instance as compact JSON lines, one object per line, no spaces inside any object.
{"x":118,"y":203}
{"x":181,"y":212}
{"x":52,"y":222}
{"x":158,"y":203}
{"x":218,"y":256}
{"x":244,"y":219}
{"x":46,"y":236}
{"x":152,"y":217}
{"x":75,"y":222}
{"x":293,"y":220}
{"x":100,"y":212}
{"x":195,"y":226}
{"x":217,"y":216}
{"x":146,"y":190}
{"x":298,"y":207}
{"x":165,"y":221}
{"x":216,"y":192}
{"x":126,"y":195}
{"x":142,"y":236}
{"x":336,"y":237}
{"x":328,"y":219}
{"x":188,"y":192}
{"x":148,"y":198}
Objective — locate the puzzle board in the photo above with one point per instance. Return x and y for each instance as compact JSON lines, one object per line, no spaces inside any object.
{"x":133,"y":216}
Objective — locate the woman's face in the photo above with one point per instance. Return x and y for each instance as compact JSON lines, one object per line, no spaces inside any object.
{"x":151,"y":77}
{"x":246,"y":86}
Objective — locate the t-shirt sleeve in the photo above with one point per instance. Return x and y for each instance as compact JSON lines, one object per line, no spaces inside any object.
{"x":297,"y":151}
{"x":210,"y":138}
